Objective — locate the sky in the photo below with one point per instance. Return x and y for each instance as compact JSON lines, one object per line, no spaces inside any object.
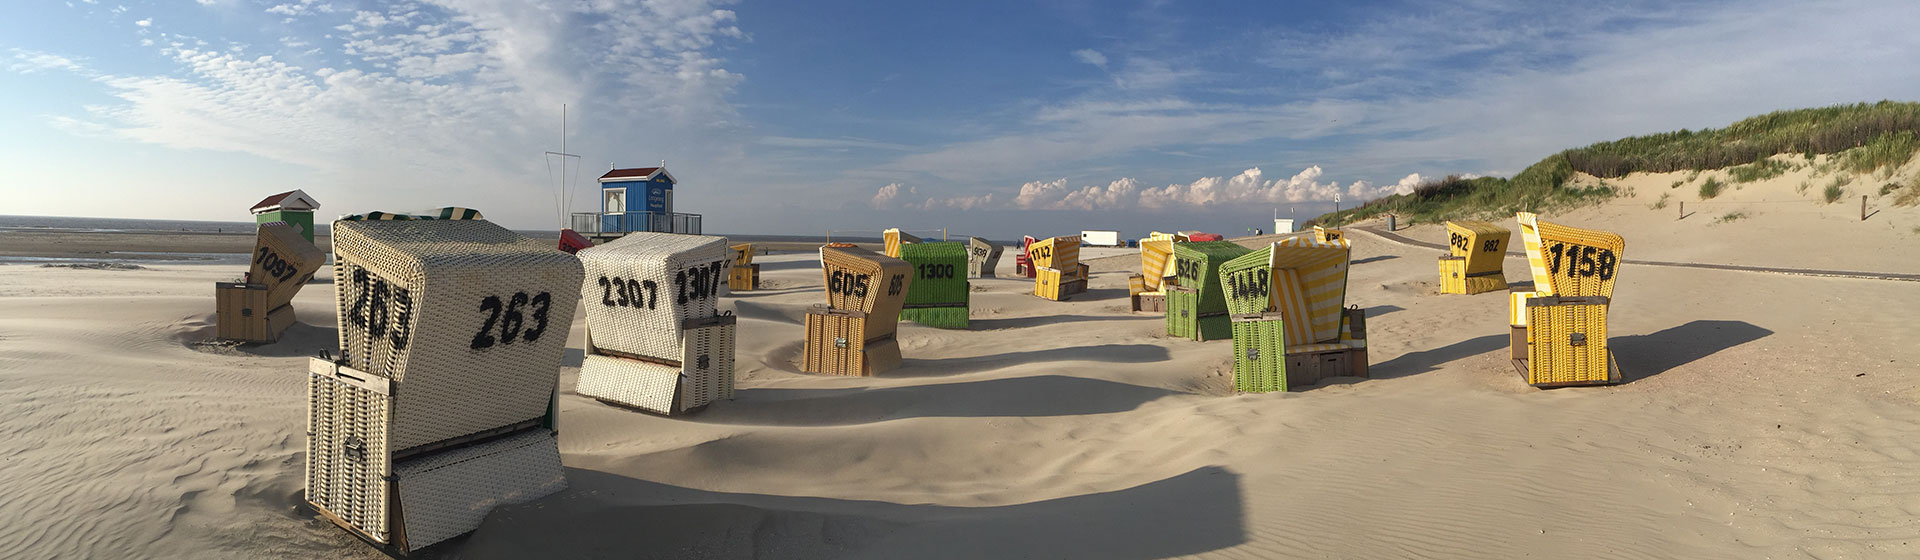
{"x":984,"y":118}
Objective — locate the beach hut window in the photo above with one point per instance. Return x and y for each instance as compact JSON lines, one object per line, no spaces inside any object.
{"x":616,"y":201}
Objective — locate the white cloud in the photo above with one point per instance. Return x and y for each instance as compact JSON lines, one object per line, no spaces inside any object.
{"x":1091,"y":56}
{"x":461,"y":93}
{"x":1248,"y":187}
{"x":891,"y":196}
{"x":144,"y":22}
{"x":28,"y":62}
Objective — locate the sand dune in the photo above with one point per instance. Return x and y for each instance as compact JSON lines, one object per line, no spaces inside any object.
{"x":1766,"y":416}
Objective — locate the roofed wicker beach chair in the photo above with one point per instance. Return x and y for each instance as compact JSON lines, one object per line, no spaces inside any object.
{"x":656,"y":339}
{"x":442,"y":402}
{"x":1058,"y":272}
{"x":854,"y":333}
{"x":982,"y":257}
{"x":744,"y":275}
{"x":261,"y":308}
{"x":1477,"y":254}
{"x":1146,"y":289}
{"x":1289,"y":326}
{"x":895,"y":238}
{"x":1559,"y":330}
{"x":1196,"y":304}
{"x":1327,"y":235}
{"x":940,"y":292}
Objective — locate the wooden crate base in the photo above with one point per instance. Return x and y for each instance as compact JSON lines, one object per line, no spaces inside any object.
{"x":744,"y":278}
{"x":1309,"y":368}
{"x":1150,"y":303}
{"x":241,"y":314}
{"x":836,"y":345}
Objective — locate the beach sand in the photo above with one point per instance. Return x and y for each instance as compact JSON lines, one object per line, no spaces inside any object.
{"x":1765,"y":415}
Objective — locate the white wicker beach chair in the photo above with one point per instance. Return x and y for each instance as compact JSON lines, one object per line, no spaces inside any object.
{"x":441,"y":404}
{"x":655,"y":339}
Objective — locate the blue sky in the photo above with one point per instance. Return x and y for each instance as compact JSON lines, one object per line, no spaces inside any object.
{"x":993,"y":118}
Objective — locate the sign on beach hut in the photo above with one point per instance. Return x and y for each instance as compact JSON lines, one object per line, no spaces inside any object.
{"x":854,"y":333}
{"x":1559,"y":331}
{"x":656,"y":339}
{"x":441,"y":404}
{"x":1477,"y":253}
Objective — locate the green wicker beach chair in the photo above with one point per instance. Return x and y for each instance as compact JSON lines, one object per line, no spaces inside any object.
{"x":938,"y":295}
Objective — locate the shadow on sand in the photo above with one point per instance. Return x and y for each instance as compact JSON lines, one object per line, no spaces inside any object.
{"x":1112,"y":353}
{"x":604,"y":515}
{"x":1414,"y":363}
{"x":1045,"y":320}
{"x":1035,"y":396}
{"x":1647,"y":355}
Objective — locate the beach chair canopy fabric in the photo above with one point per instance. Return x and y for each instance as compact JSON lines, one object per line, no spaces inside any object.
{"x":1055,"y":252}
{"x":895,"y":238}
{"x":1310,"y":287}
{"x":1154,"y":256}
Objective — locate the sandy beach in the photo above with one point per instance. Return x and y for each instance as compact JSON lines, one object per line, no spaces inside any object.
{"x":1765,"y":415}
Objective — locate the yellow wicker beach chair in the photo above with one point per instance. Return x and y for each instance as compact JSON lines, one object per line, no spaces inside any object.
{"x":1559,"y":330}
{"x":1476,"y":259}
{"x":854,"y":334}
{"x":260,"y":309}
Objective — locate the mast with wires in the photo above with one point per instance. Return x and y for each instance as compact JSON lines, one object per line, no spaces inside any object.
{"x":563,"y":195}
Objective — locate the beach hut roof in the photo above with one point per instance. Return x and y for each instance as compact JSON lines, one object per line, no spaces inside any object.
{"x":637,"y":174}
{"x":291,"y":200}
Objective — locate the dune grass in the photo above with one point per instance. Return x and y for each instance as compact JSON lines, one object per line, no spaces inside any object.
{"x":1711,"y":188}
{"x":1834,"y":191}
{"x":1873,"y":136}
{"x":1730,"y":217}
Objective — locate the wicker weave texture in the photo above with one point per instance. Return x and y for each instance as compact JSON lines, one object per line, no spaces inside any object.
{"x":644,"y":385}
{"x":1055,"y":252}
{"x":471,"y":318}
{"x":703,"y":374}
{"x":862,"y":280}
{"x":1483,"y":244}
{"x":446,"y":494}
{"x":1247,"y":282}
{"x":284,"y":261}
{"x":838,"y":344}
{"x":640,"y":288}
{"x":1197,"y":266}
{"x":982,"y":257}
{"x":1186,"y":319}
{"x":1578,"y":262}
{"x":939,"y":274}
{"x":1057,"y":285}
{"x":348,"y":451}
{"x":1259,"y":353}
{"x":1569,"y":343}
